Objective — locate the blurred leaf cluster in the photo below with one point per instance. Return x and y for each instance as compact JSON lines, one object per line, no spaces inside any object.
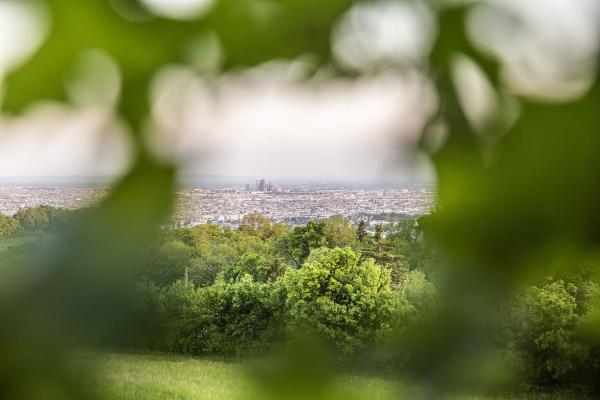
{"x":517,"y":201}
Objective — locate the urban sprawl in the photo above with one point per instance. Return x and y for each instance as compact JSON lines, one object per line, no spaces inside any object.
{"x":228,"y":206}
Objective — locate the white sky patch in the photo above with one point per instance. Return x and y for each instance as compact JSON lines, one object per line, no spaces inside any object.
{"x":57,"y":141}
{"x":179,"y":8}
{"x":383,"y":33}
{"x":22,"y":27}
{"x":267,"y":123}
{"x":548,"y":48}
{"x":477,"y":96}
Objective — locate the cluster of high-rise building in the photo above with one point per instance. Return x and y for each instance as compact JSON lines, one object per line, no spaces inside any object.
{"x":300,"y":204}
{"x":261,"y":185}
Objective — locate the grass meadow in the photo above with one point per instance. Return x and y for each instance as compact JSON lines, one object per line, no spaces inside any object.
{"x":128,"y":376}
{"x":18,"y":240}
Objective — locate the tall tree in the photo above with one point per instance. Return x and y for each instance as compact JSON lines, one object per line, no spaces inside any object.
{"x":8,"y":225}
{"x":378,"y":233}
{"x":361,"y":232}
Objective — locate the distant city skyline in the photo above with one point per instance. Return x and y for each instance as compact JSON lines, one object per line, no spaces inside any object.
{"x":228,"y":206}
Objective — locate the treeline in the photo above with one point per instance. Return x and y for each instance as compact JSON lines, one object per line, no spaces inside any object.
{"x":33,"y":219}
{"x":215,"y":290}
{"x":239,"y":291}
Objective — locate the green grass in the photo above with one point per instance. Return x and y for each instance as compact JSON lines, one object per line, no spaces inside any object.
{"x":127,"y":376}
{"x":17,"y":240}
{"x":152,"y":376}
{"x":161,"y":376}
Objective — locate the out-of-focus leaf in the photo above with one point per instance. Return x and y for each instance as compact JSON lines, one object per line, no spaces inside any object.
{"x":252,"y":31}
{"x":507,"y":217}
{"x":80,"y":289}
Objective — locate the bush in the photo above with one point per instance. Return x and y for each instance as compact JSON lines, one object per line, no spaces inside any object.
{"x":297,"y":244}
{"x":209,"y":259}
{"x":41,"y":217}
{"x":420,"y":293}
{"x":261,"y":267}
{"x":241,"y":317}
{"x":541,"y":330}
{"x":225,"y":318}
{"x":8,"y":225}
{"x":167,"y":262}
{"x":347,"y":303}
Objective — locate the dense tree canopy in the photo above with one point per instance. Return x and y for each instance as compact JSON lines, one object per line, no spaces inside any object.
{"x":8,"y":225}
{"x":297,"y":244}
{"x":347,"y":301}
{"x":40,"y":217}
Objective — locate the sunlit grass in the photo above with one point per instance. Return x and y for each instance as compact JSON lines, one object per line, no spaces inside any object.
{"x":156,"y":376}
{"x":17,"y":240}
{"x":127,"y":376}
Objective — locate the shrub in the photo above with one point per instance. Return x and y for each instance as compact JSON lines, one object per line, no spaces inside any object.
{"x":240,"y":317}
{"x":417,"y":291}
{"x":541,"y":329}
{"x":40,"y":217}
{"x":181,"y":316}
{"x":297,"y":244}
{"x":209,"y":259}
{"x":261,"y":267}
{"x":8,"y":225}
{"x":225,"y":318}
{"x":167,"y":262}
{"x":347,"y":303}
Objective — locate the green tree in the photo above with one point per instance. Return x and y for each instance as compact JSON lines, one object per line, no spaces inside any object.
{"x":198,"y":234}
{"x":361,"y":231}
{"x":226,"y":318}
{"x":335,"y":231}
{"x":8,"y":225}
{"x":43,"y":217}
{"x":259,"y":266}
{"x":209,"y":259}
{"x":339,"y":232}
{"x":297,"y":244}
{"x":419,"y":292}
{"x":34,"y":217}
{"x":378,"y":233}
{"x":346,"y":302}
{"x":256,"y":224}
{"x":410,"y":243}
{"x":168,"y":262}
{"x":541,"y":327}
